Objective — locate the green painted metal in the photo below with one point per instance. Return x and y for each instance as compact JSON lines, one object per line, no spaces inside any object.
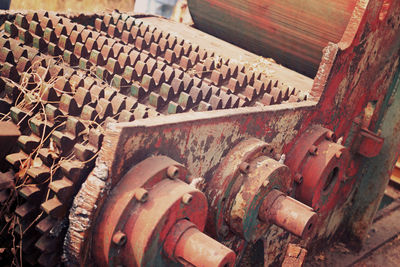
{"x":375,"y":172}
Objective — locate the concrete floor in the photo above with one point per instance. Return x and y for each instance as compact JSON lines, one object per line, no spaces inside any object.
{"x":388,"y":255}
{"x":380,"y":249}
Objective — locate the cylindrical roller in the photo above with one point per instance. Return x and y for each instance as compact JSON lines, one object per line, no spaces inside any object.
{"x":293,"y":32}
{"x":194,"y":248}
{"x":288,"y":213}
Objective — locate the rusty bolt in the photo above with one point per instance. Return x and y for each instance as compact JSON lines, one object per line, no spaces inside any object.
{"x":223,"y":230}
{"x":266,"y":150}
{"x":172,"y":172}
{"x":119,"y":238}
{"x":330,"y":135}
{"x":141,"y":194}
{"x":313,"y":150}
{"x":186,"y":198}
{"x":298,"y":178}
{"x":244,"y":167}
{"x":277,"y":157}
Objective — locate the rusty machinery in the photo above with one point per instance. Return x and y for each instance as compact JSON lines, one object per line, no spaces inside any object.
{"x":133,"y":140}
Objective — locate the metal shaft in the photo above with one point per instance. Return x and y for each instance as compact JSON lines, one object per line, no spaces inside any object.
{"x":288,"y":213}
{"x":194,"y":248}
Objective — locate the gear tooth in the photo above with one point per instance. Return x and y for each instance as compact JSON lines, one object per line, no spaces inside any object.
{"x":45,"y":225}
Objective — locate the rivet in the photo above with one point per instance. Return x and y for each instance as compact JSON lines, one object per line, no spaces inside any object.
{"x":244,"y":167}
{"x":141,"y":194}
{"x":313,"y":150}
{"x":186,"y":198}
{"x":119,"y":238}
{"x":172,"y":172}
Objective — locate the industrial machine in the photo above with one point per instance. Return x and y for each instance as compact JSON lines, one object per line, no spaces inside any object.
{"x":132,"y":140}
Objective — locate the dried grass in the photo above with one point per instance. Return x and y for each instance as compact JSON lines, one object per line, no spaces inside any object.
{"x":32,"y":100}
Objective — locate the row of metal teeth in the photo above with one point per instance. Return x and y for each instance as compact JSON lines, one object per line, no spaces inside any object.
{"x":61,"y":110}
{"x":160,"y":69}
{"x":229,"y":81}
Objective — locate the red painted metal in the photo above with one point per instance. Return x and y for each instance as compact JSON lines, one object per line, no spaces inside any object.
{"x":370,"y":144}
{"x":246,"y":198}
{"x":193,"y":248}
{"x":322,"y":164}
{"x":152,"y":216}
{"x":349,"y":77}
{"x":288,"y":213}
{"x":158,"y":68}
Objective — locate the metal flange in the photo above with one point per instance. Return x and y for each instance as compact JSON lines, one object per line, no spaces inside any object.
{"x":320,"y":164}
{"x":243,"y":199}
{"x":153,"y":218}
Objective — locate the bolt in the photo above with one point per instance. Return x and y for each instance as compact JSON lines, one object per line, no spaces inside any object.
{"x":119,"y":238}
{"x":264,"y":150}
{"x":330,"y":135}
{"x":340,"y":141}
{"x":223,"y":230}
{"x":313,"y":150}
{"x":282,"y":159}
{"x":141,"y":195}
{"x":298,"y":178}
{"x":244,"y":167}
{"x":172,"y":172}
{"x":277,"y":157}
{"x":186,"y":198}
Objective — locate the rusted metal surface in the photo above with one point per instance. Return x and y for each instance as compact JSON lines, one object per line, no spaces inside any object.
{"x":197,"y":249}
{"x":157,"y":68}
{"x":288,"y":213}
{"x":370,"y":144}
{"x":295,"y":256}
{"x":291,"y":32}
{"x":151,"y":211}
{"x":9,"y":134}
{"x":245,"y":200}
{"x":334,"y":93}
{"x":65,"y":128}
{"x":322,"y":164}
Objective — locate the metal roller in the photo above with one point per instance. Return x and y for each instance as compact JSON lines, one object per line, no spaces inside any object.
{"x":292,"y":32}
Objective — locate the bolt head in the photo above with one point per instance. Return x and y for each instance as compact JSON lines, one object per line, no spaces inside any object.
{"x":313,"y":150}
{"x":173,"y":172}
{"x":119,"y":238}
{"x":187,"y":198}
{"x":141,"y":195}
{"x":244,"y":167}
{"x":330,"y":136}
